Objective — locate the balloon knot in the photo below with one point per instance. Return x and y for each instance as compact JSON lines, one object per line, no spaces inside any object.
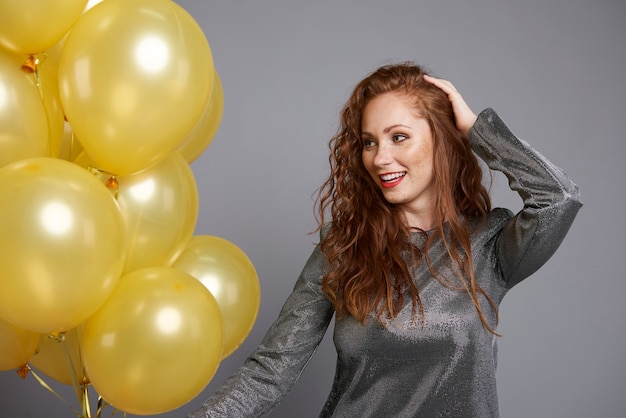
{"x":30,"y":64}
{"x":112,"y":184}
{"x":109,"y":180}
{"x":23,"y":371}
{"x":56,"y":336}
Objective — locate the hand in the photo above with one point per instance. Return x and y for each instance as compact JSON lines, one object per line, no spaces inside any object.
{"x":464,"y":116}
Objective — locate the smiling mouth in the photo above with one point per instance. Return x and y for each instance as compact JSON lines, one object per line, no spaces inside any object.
{"x":391,"y":179}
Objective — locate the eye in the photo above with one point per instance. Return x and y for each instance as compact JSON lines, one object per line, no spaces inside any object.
{"x":399,"y":137}
{"x":368,"y":143}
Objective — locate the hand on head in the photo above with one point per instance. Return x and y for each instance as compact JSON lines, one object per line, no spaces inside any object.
{"x":465,"y":117}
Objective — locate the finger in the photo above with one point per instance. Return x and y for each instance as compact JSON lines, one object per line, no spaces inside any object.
{"x":444,"y":85}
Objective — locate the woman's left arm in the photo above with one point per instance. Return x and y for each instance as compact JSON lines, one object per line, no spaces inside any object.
{"x":551,"y":199}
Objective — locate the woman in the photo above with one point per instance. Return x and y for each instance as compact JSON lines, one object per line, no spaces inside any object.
{"x":413,"y":261}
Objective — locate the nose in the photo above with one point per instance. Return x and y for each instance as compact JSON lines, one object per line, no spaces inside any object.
{"x":383,"y":155}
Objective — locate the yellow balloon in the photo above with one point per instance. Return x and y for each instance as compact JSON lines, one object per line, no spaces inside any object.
{"x":23,"y":118}
{"x":32,"y":26}
{"x":202,"y":134}
{"x":155,"y":344}
{"x":16,"y":345}
{"x":160,"y":209}
{"x":135,"y":77}
{"x":63,"y":244}
{"x":51,"y":357}
{"x":53,"y":54}
{"x":228,"y":273}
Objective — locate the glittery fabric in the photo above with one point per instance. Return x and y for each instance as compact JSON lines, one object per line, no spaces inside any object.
{"x":448,"y":367}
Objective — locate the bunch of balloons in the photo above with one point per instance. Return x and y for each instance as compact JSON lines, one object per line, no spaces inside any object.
{"x":103,"y":106}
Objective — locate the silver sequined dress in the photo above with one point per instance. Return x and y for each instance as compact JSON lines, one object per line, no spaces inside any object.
{"x":447,"y":368}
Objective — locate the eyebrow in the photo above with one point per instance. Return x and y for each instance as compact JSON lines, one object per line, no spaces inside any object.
{"x":387,"y":129}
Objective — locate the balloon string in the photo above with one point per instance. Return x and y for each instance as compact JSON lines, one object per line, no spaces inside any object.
{"x":80,"y":387}
{"x":85,"y":401}
{"x":103,"y":404}
{"x":84,"y":384}
{"x":31,"y":66}
{"x":72,"y":143}
{"x":43,"y":383}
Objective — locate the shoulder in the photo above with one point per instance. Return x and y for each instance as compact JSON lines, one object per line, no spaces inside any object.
{"x":494,"y":220}
{"x":324,"y":230}
{"x":498,"y":217}
{"x":483,"y":231}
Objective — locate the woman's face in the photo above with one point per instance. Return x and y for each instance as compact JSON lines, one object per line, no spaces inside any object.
{"x":398,"y":155}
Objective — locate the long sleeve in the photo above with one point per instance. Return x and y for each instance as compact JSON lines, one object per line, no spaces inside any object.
{"x":274,"y":367}
{"x":551,"y":199}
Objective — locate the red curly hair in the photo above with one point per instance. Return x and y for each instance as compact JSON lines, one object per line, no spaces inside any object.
{"x":367,"y":241}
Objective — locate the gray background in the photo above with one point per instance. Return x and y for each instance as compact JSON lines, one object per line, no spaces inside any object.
{"x":554,"y":71}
